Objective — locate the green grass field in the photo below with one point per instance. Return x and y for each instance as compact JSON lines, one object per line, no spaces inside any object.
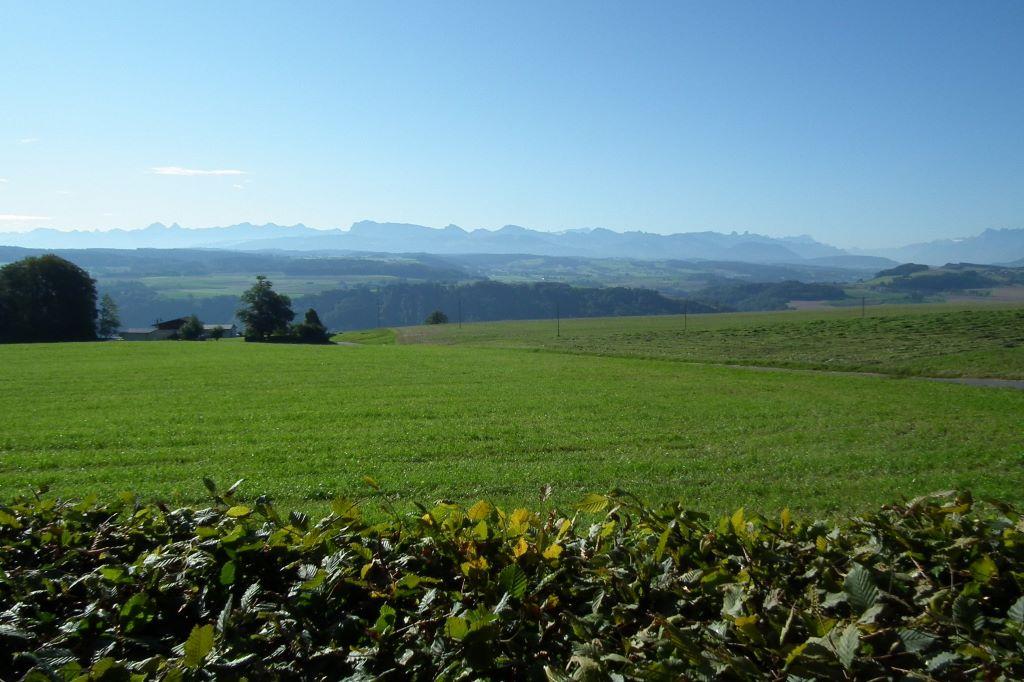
{"x":305,"y":423}
{"x":945,"y":340}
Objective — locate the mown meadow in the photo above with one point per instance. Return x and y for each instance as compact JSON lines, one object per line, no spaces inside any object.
{"x":429,"y":422}
{"x":944,"y":340}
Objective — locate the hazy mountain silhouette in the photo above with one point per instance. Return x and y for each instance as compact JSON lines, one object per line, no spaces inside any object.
{"x":989,"y":247}
{"x":992,"y":246}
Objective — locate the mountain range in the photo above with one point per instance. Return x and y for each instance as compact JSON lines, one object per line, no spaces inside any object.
{"x":991,"y":246}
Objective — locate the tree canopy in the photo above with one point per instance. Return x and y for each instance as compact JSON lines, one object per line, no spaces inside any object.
{"x":46,"y":298}
{"x":265,"y":312}
{"x":192,"y":330}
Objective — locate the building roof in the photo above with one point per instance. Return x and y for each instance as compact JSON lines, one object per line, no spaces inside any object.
{"x":138,"y":330}
{"x":176,"y":323}
{"x":211,"y":327}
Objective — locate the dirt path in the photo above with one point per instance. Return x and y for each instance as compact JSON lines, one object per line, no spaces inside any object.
{"x":1017,"y":384}
{"x":990,"y":383}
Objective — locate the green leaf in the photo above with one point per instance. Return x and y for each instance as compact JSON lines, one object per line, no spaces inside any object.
{"x":385,"y":621}
{"x":915,"y":641}
{"x":942,"y":661}
{"x":860,"y":588}
{"x":479,"y":511}
{"x":224,"y":619}
{"x":592,"y":503}
{"x":101,"y":668}
{"x":210,"y":485}
{"x":345,"y":508}
{"x":967,"y":612}
{"x":737,"y":522}
{"x":748,"y":626}
{"x":7,"y":519}
{"x":198,"y":645}
{"x":368,"y":480}
{"x":984,"y":570}
{"x":1016,"y":612}
{"x":797,"y":651}
{"x":8,"y":631}
{"x":231,"y":491}
{"x":227,"y":573}
{"x":456,"y":628}
{"x":249,"y":597}
{"x":239,"y":511}
{"x":662,"y":542}
{"x":513,"y":579}
{"x":137,"y":611}
{"x":846,"y":647}
{"x":112,"y":573}
{"x":732,"y":601}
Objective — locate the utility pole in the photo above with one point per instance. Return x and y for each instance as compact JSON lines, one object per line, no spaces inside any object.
{"x":378,"y":308}
{"x":558,"y":321}
{"x":863,"y":302}
{"x":460,"y":311}
{"x":686,"y":306}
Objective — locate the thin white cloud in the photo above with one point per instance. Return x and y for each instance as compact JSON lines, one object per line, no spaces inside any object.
{"x":238,"y":186}
{"x":11,"y":218}
{"x":177,"y":170}
{"x":28,"y":140}
{"x":4,"y":181}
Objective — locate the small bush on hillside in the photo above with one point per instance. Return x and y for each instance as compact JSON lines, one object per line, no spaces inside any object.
{"x":929,"y":589}
{"x":436,"y":317}
{"x":311,"y":330}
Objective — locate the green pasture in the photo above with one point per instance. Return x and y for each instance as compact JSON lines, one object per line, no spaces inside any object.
{"x":306,"y":423}
{"x":945,"y":340}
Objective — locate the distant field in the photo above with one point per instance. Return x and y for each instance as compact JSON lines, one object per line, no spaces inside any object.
{"x":306,"y":423}
{"x":966,"y":339}
{"x":205,"y":286}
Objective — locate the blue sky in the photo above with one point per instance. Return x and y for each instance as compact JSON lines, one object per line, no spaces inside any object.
{"x":862,"y":124}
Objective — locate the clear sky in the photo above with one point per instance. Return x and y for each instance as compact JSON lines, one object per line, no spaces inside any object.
{"x":862,"y":124}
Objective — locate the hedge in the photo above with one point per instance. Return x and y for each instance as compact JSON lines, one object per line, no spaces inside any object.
{"x":926,"y":589}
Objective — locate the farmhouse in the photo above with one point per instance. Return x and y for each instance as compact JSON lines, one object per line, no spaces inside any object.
{"x":229,"y":328}
{"x":168,"y":329}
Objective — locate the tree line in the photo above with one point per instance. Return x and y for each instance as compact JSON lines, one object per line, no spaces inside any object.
{"x":48,"y":299}
{"x":408,"y":304}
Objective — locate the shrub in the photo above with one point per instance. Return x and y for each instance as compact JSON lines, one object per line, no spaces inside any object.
{"x":192,"y":330}
{"x":436,"y":317}
{"x":927,"y":589}
{"x":311,"y":330}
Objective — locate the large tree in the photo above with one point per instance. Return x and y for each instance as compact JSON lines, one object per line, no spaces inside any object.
{"x":265,"y":312}
{"x":46,"y":298}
